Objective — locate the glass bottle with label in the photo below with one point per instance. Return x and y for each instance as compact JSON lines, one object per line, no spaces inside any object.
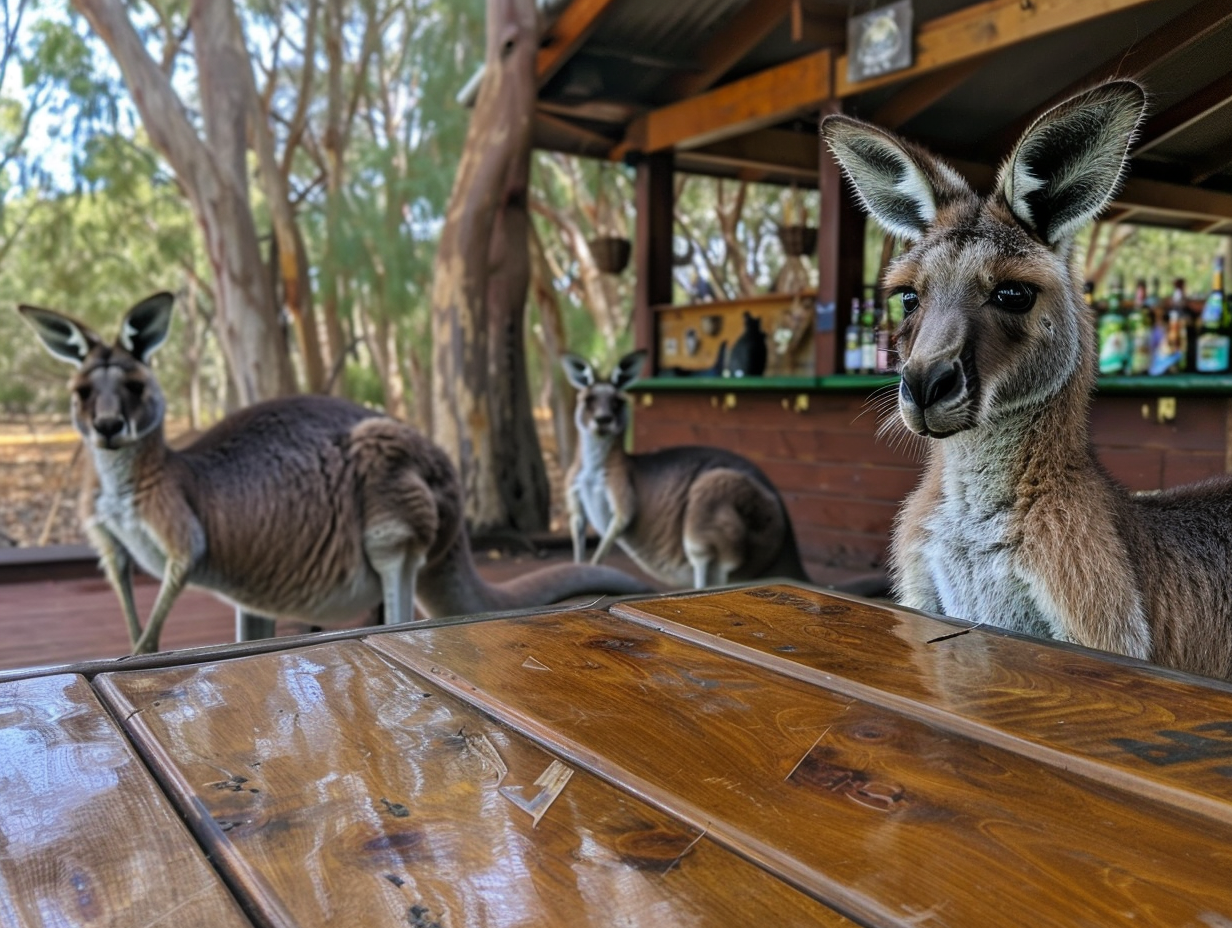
{"x":1213,"y":336}
{"x":851,"y":340}
{"x":868,"y":338}
{"x":1174,"y":355}
{"x":1138,"y":324}
{"x":1113,"y":339}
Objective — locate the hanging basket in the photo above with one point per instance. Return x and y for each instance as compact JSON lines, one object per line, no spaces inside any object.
{"x":798,"y":241}
{"x":611,"y":253}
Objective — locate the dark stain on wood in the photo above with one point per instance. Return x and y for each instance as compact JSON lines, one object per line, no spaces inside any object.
{"x":1182,"y":747}
{"x":654,"y":849}
{"x":819,"y":770}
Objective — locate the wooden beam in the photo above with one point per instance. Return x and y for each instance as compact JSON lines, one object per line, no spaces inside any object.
{"x":772,"y":151}
{"x":755,"y":102}
{"x":652,"y":248}
{"x":1170,"y":41}
{"x":980,"y":29}
{"x":731,"y":42}
{"x":1180,"y":116}
{"x":582,"y":141}
{"x":923,"y":92}
{"x":1217,"y":160}
{"x":567,"y":34}
{"x":1174,"y":199}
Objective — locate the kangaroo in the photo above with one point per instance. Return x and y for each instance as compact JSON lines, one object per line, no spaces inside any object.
{"x":310,"y":506}
{"x":1015,"y":522}
{"x":686,"y":515}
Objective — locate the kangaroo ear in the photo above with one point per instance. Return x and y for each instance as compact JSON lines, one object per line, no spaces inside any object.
{"x":628,"y":369}
{"x":1070,"y":162}
{"x":63,"y":336}
{"x":900,"y":185}
{"x":578,"y":371}
{"x":146,"y":326}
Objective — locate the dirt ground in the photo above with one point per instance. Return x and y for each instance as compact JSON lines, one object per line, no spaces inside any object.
{"x":41,"y":471}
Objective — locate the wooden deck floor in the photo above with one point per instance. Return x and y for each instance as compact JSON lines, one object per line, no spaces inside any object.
{"x":50,"y":622}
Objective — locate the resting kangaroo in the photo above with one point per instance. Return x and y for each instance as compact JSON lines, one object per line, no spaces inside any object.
{"x":309,"y":506}
{"x":685,"y":515}
{"x":1015,"y":522}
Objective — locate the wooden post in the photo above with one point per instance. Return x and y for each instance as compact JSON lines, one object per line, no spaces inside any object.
{"x":652,"y":249}
{"x":840,"y":258}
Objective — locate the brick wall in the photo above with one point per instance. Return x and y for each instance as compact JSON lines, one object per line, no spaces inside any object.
{"x":843,"y":484}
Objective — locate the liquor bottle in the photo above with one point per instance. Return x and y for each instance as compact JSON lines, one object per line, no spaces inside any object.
{"x":1138,"y":324}
{"x":1213,"y":336}
{"x":868,"y":338}
{"x":885,"y":342}
{"x":851,"y":340}
{"x":1157,"y":313}
{"x":1174,"y":356}
{"x":1113,"y":339}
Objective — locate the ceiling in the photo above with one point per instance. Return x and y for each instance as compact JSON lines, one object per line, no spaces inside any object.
{"x":724,"y":84}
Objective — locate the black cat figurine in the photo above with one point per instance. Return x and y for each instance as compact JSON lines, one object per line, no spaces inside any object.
{"x":748,"y":355}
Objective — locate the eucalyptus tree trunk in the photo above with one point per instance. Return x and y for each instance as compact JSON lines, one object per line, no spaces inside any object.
{"x":214,"y":176}
{"x":481,"y":402}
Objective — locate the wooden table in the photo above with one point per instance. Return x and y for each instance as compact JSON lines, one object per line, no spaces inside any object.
{"x":761,"y":756}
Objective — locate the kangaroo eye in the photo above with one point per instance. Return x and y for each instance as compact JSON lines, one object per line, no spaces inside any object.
{"x":911,"y":302}
{"x":84,"y":391}
{"x":135,"y":388}
{"x":1014,"y":296}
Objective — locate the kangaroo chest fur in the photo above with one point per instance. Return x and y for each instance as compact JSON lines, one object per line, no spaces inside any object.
{"x":593,"y":482}
{"x":116,"y":510}
{"x":971,"y":546}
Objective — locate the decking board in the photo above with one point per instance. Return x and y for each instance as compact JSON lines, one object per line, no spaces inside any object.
{"x":86,"y":837}
{"x":891,"y":820}
{"x":335,"y":788}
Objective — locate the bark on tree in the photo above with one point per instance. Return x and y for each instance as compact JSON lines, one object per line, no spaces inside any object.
{"x":214,"y":176}
{"x":481,"y":402}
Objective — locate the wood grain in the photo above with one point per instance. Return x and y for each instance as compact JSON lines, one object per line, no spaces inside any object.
{"x":893,"y":821}
{"x":1164,"y":735}
{"x":335,"y":789}
{"x":86,"y":837}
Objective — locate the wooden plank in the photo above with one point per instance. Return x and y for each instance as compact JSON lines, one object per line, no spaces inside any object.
{"x":1163,"y":735}
{"x":576,"y":22}
{"x":754,"y":102}
{"x":86,"y":836}
{"x":979,"y":29}
{"x":888,"y":819}
{"x":337,"y":790}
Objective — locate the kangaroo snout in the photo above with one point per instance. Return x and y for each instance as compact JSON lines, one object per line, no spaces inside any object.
{"x":933,"y":384}
{"x":108,"y":427}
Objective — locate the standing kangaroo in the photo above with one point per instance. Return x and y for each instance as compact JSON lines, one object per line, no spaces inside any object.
{"x":685,"y":515}
{"x":1015,"y":522}
{"x":309,"y":506}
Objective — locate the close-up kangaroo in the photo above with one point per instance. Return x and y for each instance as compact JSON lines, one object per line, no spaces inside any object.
{"x":309,"y":507}
{"x":1015,"y":522}
{"x":689,"y":515}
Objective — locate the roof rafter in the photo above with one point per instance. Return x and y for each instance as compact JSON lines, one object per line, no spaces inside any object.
{"x":567,"y":34}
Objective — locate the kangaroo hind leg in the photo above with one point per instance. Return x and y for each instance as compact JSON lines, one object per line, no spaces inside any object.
{"x":732,"y":524}
{"x":401,"y":519}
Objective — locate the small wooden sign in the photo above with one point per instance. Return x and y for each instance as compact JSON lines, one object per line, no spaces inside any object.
{"x":879,"y":41}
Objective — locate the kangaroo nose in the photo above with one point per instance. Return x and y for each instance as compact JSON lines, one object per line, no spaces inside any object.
{"x":936,"y":383}
{"x":109,"y":427}
{"x":603,"y":420}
